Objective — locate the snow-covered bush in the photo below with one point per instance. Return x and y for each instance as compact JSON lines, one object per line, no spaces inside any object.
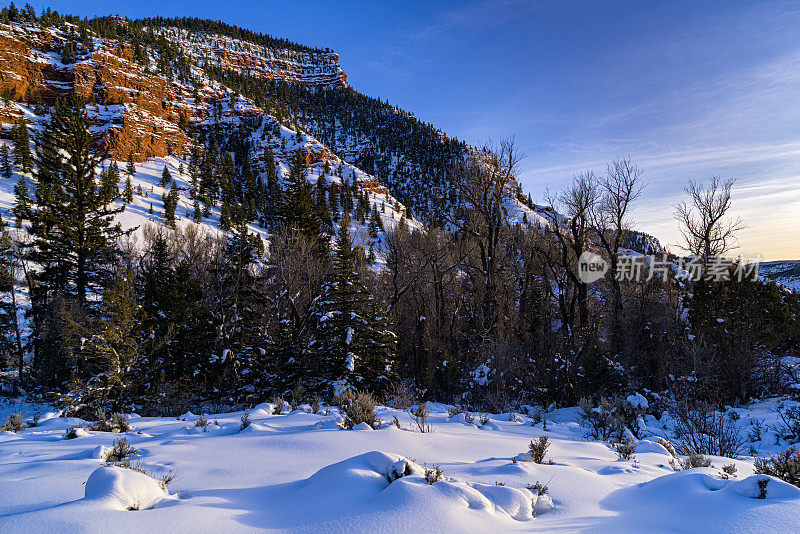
{"x":72,"y":432}
{"x":116,"y":423}
{"x":245,"y":421}
{"x":538,"y":488}
{"x":669,"y":446}
{"x":691,"y":462}
{"x":626,"y":449}
{"x":280,"y":404}
{"x":702,"y":430}
{"x":538,"y":449}
{"x":604,"y":421}
{"x":124,"y":489}
{"x":356,"y":407}
{"x":13,"y":423}
{"x":201,"y":422}
{"x":121,"y":452}
{"x":420,"y":415}
{"x":785,"y":466}
{"x":432,"y":476}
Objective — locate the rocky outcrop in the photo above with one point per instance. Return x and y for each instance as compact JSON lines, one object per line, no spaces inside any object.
{"x":147,"y":108}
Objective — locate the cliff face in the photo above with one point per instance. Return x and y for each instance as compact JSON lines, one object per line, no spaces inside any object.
{"x":140,"y":112}
{"x":320,"y":69}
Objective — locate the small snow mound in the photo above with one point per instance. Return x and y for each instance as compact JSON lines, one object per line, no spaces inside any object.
{"x":776,"y":489}
{"x":99,"y":452}
{"x":460,"y":418}
{"x":362,"y":426}
{"x":123,"y":489}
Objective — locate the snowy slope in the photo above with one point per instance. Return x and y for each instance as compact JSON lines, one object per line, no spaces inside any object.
{"x":786,"y":273}
{"x":298,"y":472}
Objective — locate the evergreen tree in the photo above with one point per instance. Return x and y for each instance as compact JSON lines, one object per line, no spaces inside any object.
{"x":273,"y":208}
{"x":109,"y":182}
{"x":5,"y":163}
{"x":170,"y":205}
{"x":131,"y":167}
{"x":353,"y":347}
{"x":166,"y":177}
{"x":22,"y":149}
{"x":23,"y":201}
{"x":127,"y":194}
{"x":299,"y":210}
{"x":72,"y":222}
{"x":196,"y":215}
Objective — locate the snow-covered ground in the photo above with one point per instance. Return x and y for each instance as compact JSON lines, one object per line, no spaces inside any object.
{"x":299,"y":471}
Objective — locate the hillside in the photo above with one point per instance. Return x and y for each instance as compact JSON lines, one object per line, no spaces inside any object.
{"x":157,"y":119}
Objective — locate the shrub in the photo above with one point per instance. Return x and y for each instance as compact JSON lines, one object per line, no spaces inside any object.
{"x":432,"y":476}
{"x":483,"y":419}
{"x":163,"y":479}
{"x":603,"y":422}
{"x":762,"y":488}
{"x":245,"y":421}
{"x":13,"y":423}
{"x":71,"y":432}
{"x":538,"y":449}
{"x":538,"y":488}
{"x":298,"y":395}
{"x":790,"y":424}
{"x":420,"y":415}
{"x":400,"y":396}
{"x":756,"y":430}
{"x":279,"y":406}
{"x":785,"y":466}
{"x":702,"y":430}
{"x":728,"y":471}
{"x":201,"y":422}
{"x":692,"y":461}
{"x":356,"y":407}
{"x":626,"y":450}
{"x":669,"y":446}
{"x":537,"y":416}
{"x":120,"y":452}
{"x":117,"y":423}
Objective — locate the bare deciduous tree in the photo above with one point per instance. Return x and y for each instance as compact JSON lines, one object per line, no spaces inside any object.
{"x":484,"y":186}
{"x":705,"y":228}
{"x":618,"y":189}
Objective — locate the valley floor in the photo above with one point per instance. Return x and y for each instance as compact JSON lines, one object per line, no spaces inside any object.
{"x":300,"y":472}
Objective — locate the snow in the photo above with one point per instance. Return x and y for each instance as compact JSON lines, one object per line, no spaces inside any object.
{"x":123,"y":489}
{"x":300,"y":471}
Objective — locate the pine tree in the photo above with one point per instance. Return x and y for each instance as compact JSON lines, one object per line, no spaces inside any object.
{"x":109,"y":182}
{"x":322,"y":211}
{"x":127,"y":194}
{"x":166,"y":177}
{"x":5,"y":163}
{"x":131,"y":167}
{"x":225,"y":218}
{"x":273,"y":209}
{"x":353,"y":347}
{"x":196,"y":215}
{"x":170,"y":205}
{"x":72,"y":222}
{"x":299,"y":210}
{"x":23,"y":201}
{"x":22,"y":149}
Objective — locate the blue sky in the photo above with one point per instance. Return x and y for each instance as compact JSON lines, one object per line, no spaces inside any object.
{"x":686,"y":89}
